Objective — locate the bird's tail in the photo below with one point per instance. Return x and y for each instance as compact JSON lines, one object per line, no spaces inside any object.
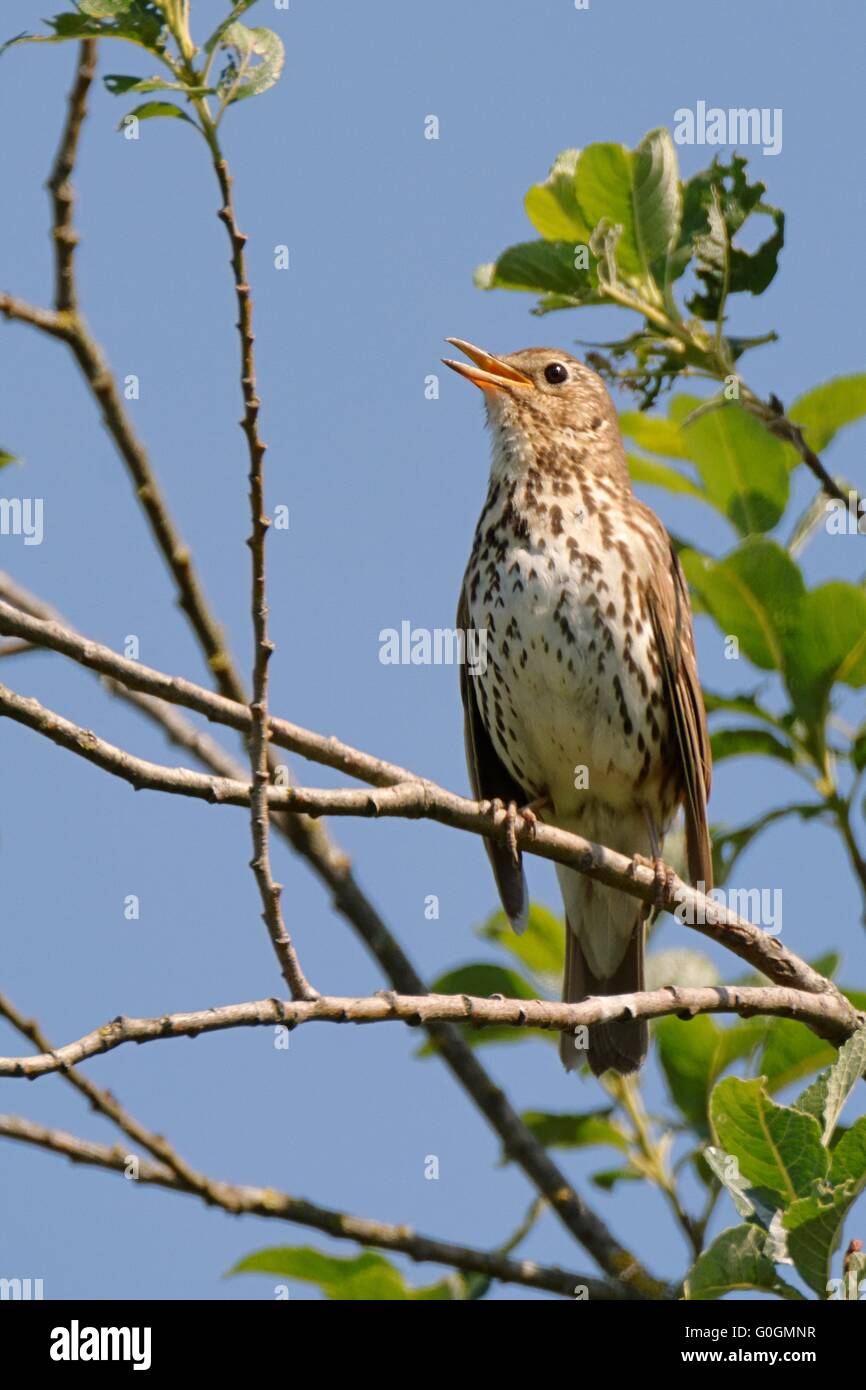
{"x":620,"y":1046}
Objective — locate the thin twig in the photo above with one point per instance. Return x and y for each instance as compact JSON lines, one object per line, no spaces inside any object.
{"x":265,"y":1201}
{"x":107,"y":1104}
{"x":269,"y":890}
{"x":60,"y":181}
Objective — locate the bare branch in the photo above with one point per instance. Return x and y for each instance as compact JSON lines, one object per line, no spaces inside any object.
{"x":107,"y":1104}
{"x":329,"y":863}
{"x":308,"y":838}
{"x":60,"y":181}
{"x":269,"y":890}
{"x":425,"y":800}
{"x":820,"y":1011}
{"x":264,"y":1201}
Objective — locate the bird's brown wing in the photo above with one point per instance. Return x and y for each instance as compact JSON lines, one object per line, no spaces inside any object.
{"x":490,"y":779}
{"x":671,"y":618}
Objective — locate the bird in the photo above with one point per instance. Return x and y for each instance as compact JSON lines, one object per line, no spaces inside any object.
{"x":586,"y":711}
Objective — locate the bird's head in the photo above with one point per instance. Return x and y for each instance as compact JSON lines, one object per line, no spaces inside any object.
{"x":539,"y":393}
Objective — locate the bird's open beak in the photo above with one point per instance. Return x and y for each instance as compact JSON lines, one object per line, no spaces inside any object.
{"x":489,"y":373}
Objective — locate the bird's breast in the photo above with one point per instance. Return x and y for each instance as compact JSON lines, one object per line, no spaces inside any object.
{"x":571,"y":692}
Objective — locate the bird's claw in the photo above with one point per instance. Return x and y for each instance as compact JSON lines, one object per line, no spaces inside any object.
{"x":514,"y":818}
{"x":663,"y":876}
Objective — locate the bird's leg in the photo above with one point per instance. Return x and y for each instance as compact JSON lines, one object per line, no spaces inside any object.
{"x":528,"y":812}
{"x":509,"y":813}
{"x":662,"y":873}
{"x":513,"y":814}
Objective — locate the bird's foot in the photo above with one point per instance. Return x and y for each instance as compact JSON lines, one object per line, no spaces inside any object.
{"x":529,"y":812}
{"x":663,"y":876}
{"x":509,"y":815}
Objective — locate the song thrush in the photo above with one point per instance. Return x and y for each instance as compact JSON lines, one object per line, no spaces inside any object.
{"x":589,"y":701}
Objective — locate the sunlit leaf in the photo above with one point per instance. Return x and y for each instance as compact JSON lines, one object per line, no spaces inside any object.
{"x":736,"y":1261}
{"x":367,"y":1278}
{"x":777,"y":1147}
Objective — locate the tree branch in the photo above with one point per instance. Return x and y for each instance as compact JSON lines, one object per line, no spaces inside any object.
{"x":60,"y":185}
{"x":269,"y":890}
{"x":333,"y":868}
{"x":329,"y":863}
{"x":425,"y":800}
{"x":820,"y":1011}
{"x":264,"y":1201}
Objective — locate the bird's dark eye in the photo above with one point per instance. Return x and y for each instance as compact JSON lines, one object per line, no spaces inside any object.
{"x":555,"y":373}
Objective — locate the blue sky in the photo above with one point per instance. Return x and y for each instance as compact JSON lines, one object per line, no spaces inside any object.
{"x":384,"y":486}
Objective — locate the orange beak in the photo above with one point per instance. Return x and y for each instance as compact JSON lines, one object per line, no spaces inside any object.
{"x":489,"y":373}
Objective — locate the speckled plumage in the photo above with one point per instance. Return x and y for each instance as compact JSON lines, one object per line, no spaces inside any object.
{"x":589,"y":696}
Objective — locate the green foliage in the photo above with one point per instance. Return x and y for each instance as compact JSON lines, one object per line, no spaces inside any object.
{"x":576,"y":1131}
{"x":786,"y":1177}
{"x":639,"y":228}
{"x":253,"y":57}
{"x":365,"y":1278}
{"x":257,"y":58}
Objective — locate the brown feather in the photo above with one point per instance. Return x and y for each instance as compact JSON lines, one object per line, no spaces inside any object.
{"x":671,"y":617}
{"x":490,"y":779}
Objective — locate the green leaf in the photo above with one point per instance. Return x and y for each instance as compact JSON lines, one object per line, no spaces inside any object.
{"x":792,"y":1051}
{"x":654,"y":433}
{"x":367,"y":1278}
{"x":541,"y":948}
{"x":728,"y":845}
{"x":735,"y":1261}
{"x":814,"y":1226}
{"x":6,"y":459}
{"x":138,"y":21}
{"x":744,"y":468}
{"x":776,"y":1146}
{"x":746,"y":702}
{"x":693,"y":1053}
{"x":104,"y":9}
{"x":552,"y":206}
{"x":749,"y":1201}
{"x":637,"y":191}
{"x":539,"y":267}
{"x":848,"y":1163}
{"x":827,"y":645}
{"x":826,"y":1097}
{"x":482,"y":980}
{"x":736,"y":743}
{"x":661,"y":475}
{"x":755,"y":593}
{"x":244,"y":77}
{"x":556,"y":1131}
{"x":149,"y":110}
{"x":608,"y":1178}
{"x":725,"y":188}
{"x":826,"y":409}
{"x":119,"y":84}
